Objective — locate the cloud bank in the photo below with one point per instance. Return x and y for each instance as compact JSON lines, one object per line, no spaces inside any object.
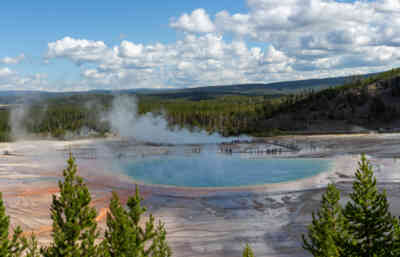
{"x":12,"y":80}
{"x":274,"y":40}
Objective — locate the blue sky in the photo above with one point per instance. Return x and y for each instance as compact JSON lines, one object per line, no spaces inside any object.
{"x":79,"y":45}
{"x":28,"y":27}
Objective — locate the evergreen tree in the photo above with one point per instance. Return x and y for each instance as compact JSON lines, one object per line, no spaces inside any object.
{"x":32,"y":248}
{"x":4,"y":226}
{"x":248,"y":252}
{"x":396,"y":241}
{"x":15,"y":246}
{"x":74,"y":224}
{"x":124,"y":237}
{"x":120,"y":236}
{"x":160,"y":246}
{"x":370,"y":223}
{"x":327,"y":232}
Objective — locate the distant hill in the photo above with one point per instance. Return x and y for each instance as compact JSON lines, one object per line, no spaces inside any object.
{"x":272,"y":89}
{"x":371,"y":103}
{"x":209,"y":92}
{"x":331,"y":105}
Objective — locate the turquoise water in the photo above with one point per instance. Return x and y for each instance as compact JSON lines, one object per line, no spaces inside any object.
{"x":220,"y":171}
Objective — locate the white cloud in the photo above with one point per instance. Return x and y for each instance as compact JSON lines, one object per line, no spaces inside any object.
{"x":316,"y":32}
{"x":192,"y":61}
{"x":128,"y":49}
{"x":13,"y":60}
{"x":79,"y":50}
{"x":12,"y":80}
{"x":197,"y":21}
{"x":237,"y":23}
{"x":296,"y":39}
{"x":275,"y":56}
{"x":5,"y":72}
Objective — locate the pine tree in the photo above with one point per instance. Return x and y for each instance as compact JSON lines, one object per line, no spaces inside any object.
{"x":370,"y":223}
{"x":396,"y":241}
{"x":160,"y":246}
{"x":120,"y":236}
{"x":327,"y":232}
{"x":74,"y":224}
{"x":15,"y":246}
{"x":4,"y":226}
{"x":248,"y":252}
{"x":33,"y":248}
{"x":124,"y":237}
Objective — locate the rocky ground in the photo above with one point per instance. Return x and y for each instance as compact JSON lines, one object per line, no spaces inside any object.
{"x":200,"y":222}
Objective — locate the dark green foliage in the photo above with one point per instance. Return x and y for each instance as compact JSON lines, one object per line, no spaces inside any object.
{"x":371,"y":225}
{"x":377,"y":106}
{"x":261,"y":110}
{"x":327,"y":232}
{"x":5,"y":129}
{"x":248,"y":252}
{"x":75,"y":228}
{"x":362,"y":101}
{"x":364,"y":228}
{"x":17,"y":244}
{"x":33,"y":248}
{"x":160,"y":246}
{"x":125,"y":237}
{"x":4,"y":226}
{"x":119,"y":237}
{"x":57,"y":119}
{"x":74,"y":225}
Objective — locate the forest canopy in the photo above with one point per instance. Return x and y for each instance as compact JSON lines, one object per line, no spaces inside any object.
{"x":362,"y":103}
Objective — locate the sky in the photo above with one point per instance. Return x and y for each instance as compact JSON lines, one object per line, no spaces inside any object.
{"x":84,"y":45}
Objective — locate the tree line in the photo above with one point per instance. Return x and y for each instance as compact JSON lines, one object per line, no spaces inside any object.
{"x":371,"y":102}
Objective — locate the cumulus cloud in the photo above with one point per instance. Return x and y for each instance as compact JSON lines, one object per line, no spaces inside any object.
{"x":321,"y":31}
{"x":295,"y":39}
{"x":13,"y":60}
{"x":318,"y":34}
{"x":238,"y":23}
{"x":196,"y":60}
{"x":78,"y":50}
{"x":197,"y":21}
{"x":12,"y":80}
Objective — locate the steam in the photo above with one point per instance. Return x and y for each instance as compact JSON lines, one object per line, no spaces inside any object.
{"x":123,"y":119}
{"x":17,"y":116}
{"x":126,"y":122}
{"x":20,"y":116}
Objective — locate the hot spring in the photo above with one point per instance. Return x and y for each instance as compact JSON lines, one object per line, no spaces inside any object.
{"x":220,"y":170}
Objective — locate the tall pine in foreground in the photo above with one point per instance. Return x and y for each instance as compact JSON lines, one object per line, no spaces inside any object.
{"x":371,"y":225}
{"x":125,"y":237}
{"x":364,"y":228}
{"x":327,"y":232}
{"x":74,"y":225}
{"x":17,"y":244}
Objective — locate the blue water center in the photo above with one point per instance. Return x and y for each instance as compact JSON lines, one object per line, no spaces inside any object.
{"x":220,"y":171}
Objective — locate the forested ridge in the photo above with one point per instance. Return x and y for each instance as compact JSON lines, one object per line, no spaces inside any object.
{"x":362,"y":103}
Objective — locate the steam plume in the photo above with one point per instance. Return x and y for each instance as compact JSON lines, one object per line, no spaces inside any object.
{"x":125,"y":121}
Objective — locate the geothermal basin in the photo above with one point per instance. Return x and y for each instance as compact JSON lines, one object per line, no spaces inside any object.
{"x":211,"y":202}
